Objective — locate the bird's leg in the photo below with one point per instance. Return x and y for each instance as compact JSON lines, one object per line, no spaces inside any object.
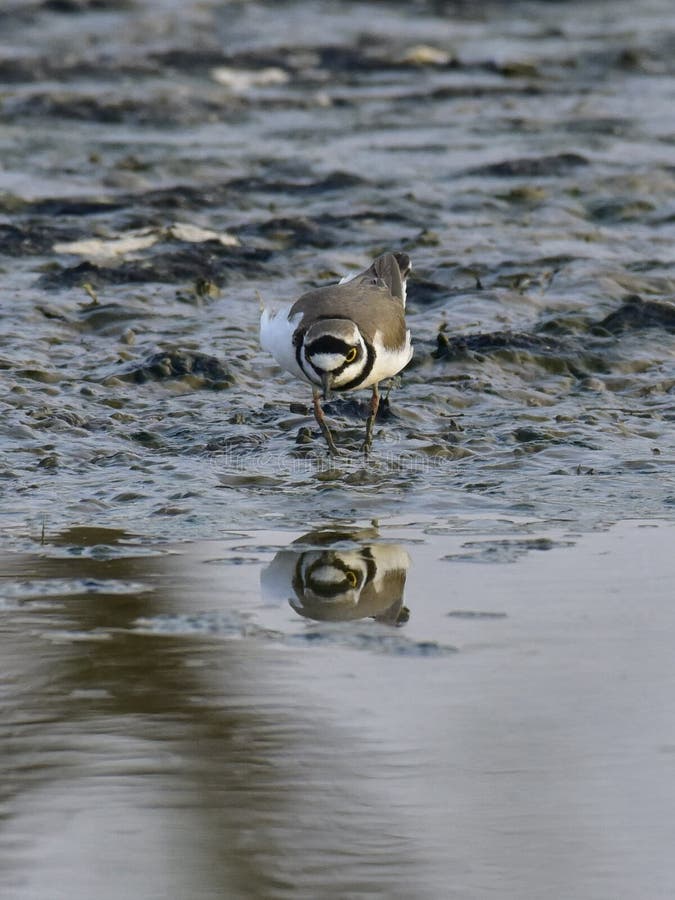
{"x":321,"y":420}
{"x":393,"y":383}
{"x":374,"y":404}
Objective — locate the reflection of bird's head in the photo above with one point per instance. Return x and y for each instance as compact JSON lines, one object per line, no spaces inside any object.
{"x":338,"y":584}
{"x":335,"y":574}
{"x":332,"y":575}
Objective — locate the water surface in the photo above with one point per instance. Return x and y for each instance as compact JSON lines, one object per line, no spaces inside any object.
{"x":172,"y":729}
{"x":232,"y":667}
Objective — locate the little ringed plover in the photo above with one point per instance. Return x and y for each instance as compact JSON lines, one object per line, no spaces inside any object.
{"x":345,"y":336}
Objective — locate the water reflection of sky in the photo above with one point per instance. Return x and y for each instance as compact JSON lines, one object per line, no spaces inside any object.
{"x":149,"y":749}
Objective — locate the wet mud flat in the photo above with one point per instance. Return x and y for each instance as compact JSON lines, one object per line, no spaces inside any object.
{"x":232,"y":665}
{"x":163,"y":164}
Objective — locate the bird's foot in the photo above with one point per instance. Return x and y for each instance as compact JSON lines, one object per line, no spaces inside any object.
{"x":333,"y":449}
{"x":367,"y":445}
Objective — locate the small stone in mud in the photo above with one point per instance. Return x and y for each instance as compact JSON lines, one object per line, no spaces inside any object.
{"x":526,"y":194}
{"x":147,"y":439}
{"x":631,"y":59}
{"x":206,"y":289}
{"x":426,"y":291}
{"x":620,"y":209}
{"x":354,"y":408}
{"x":104,"y":317}
{"x":25,"y":239}
{"x":50,"y":312}
{"x":638,"y":313}
{"x":300,"y":409}
{"x":557,"y":164}
{"x":456,"y":347}
{"x":49,"y":462}
{"x":292,"y":231}
{"x":526,"y":435}
{"x":518,"y":69}
{"x":427,"y":238}
{"x":66,"y":6}
{"x":178,"y":363}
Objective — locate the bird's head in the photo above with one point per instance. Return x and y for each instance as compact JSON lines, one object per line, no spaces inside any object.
{"x":333,"y":353}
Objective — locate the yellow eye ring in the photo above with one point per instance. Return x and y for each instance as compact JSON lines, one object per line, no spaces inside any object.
{"x":351,"y":577}
{"x":351,"y":355}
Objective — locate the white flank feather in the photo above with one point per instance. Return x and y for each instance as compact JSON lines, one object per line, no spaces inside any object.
{"x":276,"y":336}
{"x":387,"y":362}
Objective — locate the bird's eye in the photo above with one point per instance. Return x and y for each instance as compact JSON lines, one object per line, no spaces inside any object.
{"x":351,"y":355}
{"x":350,"y":576}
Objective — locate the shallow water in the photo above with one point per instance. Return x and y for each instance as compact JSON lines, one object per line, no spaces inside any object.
{"x":198,"y":721}
{"x":488,"y":715}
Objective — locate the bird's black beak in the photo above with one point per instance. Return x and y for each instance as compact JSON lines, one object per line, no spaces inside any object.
{"x":326,"y":381}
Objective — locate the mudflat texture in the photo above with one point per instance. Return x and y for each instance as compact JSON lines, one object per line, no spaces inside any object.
{"x":163,"y":163}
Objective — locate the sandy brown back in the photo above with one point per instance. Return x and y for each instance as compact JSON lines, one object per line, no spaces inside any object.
{"x":364,"y":300}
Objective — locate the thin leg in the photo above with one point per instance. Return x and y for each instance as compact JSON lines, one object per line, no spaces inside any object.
{"x":393,"y":383}
{"x":374,"y":405}
{"x":325,"y":430}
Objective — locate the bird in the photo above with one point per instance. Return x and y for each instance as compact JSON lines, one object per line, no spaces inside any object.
{"x":345,"y":336}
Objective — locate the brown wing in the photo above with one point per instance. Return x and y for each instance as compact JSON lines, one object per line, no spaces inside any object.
{"x":365,"y":300}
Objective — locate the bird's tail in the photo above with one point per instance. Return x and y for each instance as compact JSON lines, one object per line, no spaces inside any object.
{"x":392,"y":269}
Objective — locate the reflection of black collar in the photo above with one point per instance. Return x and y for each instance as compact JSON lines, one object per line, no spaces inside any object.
{"x":304,"y":582}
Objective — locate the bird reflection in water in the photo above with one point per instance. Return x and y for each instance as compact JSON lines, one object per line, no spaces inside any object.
{"x":331,"y":575}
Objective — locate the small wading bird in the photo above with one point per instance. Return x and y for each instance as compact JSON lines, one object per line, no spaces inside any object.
{"x":345,"y":336}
